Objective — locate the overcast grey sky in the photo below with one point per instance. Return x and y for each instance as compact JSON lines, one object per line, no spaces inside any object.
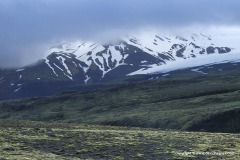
{"x":27,"y":26}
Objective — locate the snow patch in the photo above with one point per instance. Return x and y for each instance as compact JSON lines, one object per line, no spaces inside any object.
{"x":47,"y":62}
{"x":165,"y":75}
{"x":17,"y":89}
{"x":74,"y":63}
{"x":57,"y":66}
{"x":86,"y":80}
{"x":197,"y":70}
{"x":63,"y":71}
{"x":189,"y":63}
{"x":144,"y":61}
{"x":19,"y":70}
{"x":1,"y":80}
{"x":63,"y":60}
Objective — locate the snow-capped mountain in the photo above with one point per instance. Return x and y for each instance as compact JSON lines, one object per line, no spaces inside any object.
{"x":145,"y":52}
{"x":82,"y":62}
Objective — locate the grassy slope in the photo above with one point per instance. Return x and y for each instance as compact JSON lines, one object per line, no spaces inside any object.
{"x":37,"y":140}
{"x":178,"y":102}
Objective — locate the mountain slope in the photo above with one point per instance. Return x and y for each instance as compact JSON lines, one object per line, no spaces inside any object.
{"x":187,"y":100}
{"x":79,"y":63}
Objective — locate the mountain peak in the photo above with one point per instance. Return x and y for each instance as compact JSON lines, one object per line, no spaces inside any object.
{"x":81,"y":62}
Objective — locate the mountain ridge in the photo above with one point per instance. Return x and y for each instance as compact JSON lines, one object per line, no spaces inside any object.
{"x":81,"y":63}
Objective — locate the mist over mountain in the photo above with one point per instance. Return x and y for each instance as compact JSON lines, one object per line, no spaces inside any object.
{"x":28,"y":27}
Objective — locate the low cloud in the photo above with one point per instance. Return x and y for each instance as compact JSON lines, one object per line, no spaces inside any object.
{"x":28,"y":26}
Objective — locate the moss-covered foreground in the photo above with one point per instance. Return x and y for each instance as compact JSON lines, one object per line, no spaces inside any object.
{"x":36,"y":140}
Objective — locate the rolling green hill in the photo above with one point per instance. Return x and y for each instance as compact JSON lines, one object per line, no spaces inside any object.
{"x":184,"y":101}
